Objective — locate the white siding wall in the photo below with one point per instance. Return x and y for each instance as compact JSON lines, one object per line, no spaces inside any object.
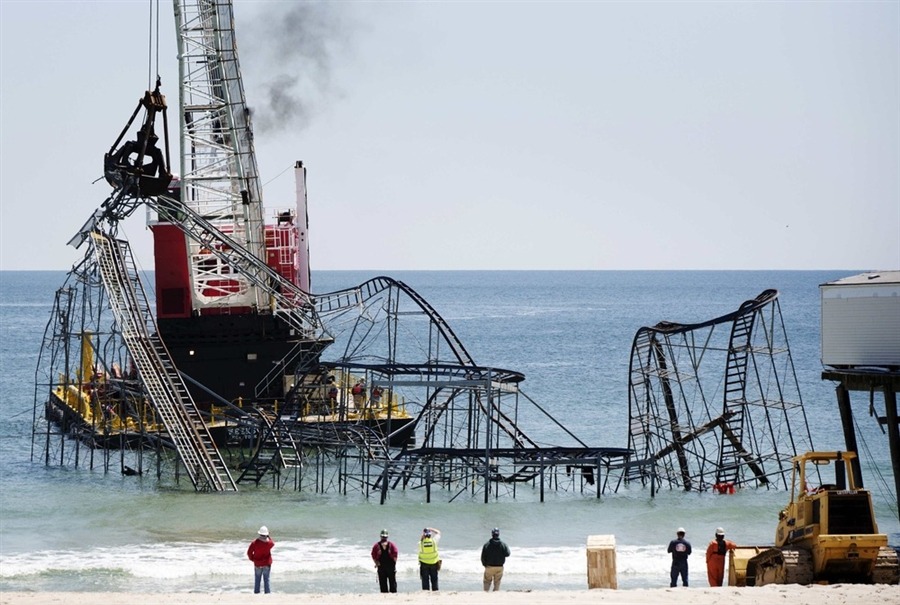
{"x":861,"y":325}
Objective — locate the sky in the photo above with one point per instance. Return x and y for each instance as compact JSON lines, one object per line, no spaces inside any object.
{"x":494,"y":135}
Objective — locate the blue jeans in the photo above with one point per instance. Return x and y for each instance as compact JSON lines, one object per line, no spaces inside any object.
{"x":261,"y":572}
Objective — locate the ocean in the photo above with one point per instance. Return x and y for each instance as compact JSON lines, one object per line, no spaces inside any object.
{"x":569,"y":332}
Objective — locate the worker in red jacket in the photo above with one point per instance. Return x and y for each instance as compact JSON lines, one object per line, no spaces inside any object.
{"x":260,"y":552}
{"x":715,"y":557}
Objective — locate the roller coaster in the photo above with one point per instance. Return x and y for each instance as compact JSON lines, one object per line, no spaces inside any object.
{"x":233,"y":374}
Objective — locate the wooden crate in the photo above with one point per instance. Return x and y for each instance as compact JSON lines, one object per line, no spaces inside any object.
{"x":601,"y":562}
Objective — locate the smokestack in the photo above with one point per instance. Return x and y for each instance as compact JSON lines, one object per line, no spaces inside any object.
{"x":302,"y":224}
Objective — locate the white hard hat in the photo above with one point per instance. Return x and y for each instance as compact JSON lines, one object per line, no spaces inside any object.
{"x":263,"y":531}
{"x":680,"y":530}
{"x":720,"y":531}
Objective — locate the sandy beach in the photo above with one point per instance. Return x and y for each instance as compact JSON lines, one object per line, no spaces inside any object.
{"x":844,"y":594}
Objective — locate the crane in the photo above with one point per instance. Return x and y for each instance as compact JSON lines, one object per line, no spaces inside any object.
{"x":233,"y":319}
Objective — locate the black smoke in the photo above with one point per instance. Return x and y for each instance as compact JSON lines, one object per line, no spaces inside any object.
{"x":288,"y":52}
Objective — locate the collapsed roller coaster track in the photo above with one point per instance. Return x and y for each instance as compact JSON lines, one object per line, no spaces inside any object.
{"x":716,"y":405}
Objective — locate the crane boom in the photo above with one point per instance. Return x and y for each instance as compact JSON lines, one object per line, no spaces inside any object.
{"x":219,"y":176}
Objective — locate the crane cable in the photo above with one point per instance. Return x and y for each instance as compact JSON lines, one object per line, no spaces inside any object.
{"x":151,"y":42}
{"x":881,"y":481}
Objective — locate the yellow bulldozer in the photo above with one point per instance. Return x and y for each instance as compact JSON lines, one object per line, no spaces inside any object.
{"x":826,"y":534}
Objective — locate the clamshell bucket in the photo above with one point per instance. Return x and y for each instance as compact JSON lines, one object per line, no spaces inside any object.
{"x":138,"y":166}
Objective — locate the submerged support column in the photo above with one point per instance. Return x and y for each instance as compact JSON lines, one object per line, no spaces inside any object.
{"x":541,"y":459}
{"x":158,"y":446}
{"x":487,"y":443}
{"x":385,"y":477}
{"x":893,"y":431}
{"x":320,"y":473}
{"x":843,"y":399}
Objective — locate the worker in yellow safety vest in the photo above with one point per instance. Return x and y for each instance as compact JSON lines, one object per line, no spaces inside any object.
{"x":429,"y":559}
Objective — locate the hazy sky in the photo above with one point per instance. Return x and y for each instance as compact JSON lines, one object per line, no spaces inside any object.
{"x":496,"y":135}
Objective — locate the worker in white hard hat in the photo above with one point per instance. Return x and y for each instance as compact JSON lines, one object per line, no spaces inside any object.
{"x":681,"y":550}
{"x":715,"y":557}
{"x":260,"y":552}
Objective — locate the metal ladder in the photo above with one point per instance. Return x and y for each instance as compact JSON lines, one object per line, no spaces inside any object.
{"x":733,"y":454}
{"x":166,"y":389}
{"x":276,"y":451}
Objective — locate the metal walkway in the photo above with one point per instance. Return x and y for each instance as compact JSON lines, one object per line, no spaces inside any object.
{"x":166,"y":389}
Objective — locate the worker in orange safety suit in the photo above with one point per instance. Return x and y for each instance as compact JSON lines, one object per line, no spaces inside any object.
{"x":715,"y":557}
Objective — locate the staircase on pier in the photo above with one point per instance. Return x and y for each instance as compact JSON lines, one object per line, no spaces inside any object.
{"x":276,"y":452}
{"x":166,"y":389}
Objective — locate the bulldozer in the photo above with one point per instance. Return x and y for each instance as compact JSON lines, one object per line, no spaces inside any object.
{"x":826,"y":534}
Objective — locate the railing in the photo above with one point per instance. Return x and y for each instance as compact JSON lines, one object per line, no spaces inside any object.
{"x":165,"y":388}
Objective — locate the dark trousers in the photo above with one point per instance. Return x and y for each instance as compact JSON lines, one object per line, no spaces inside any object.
{"x":387,"y":579}
{"x":679,"y":568}
{"x":428,"y":573}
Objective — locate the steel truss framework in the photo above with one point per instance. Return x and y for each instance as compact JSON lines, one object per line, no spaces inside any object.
{"x":456,"y":433}
{"x":449,"y":424}
{"x":113,"y":426}
{"x":716,"y":405}
{"x":459,"y":420}
{"x":461,"y":440}
{"x":220,"y":180}
{"x":459,"y":433}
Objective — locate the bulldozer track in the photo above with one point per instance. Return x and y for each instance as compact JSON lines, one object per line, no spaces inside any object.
{"x":887,"y":567}
{"x":798,"y":566}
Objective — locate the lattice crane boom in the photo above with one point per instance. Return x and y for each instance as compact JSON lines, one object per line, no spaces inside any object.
{"x":219,"y":176}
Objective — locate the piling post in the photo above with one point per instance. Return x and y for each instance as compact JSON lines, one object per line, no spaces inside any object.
{"x":843,"y":399}
{"x":893,"y":431}
{"x":541,"y":460}
{"x":385,"y":477}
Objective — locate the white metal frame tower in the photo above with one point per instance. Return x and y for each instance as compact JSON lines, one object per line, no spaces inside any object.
{"x":219,"y":177}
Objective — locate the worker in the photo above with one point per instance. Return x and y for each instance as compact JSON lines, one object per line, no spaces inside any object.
{"x":715,"y":557}
{"x":260,"y":552}
{"x":385,"y":553}
{"x":429,"y":559}
{"x":332,"y":396}
{"x":681,"y":550}
{"x":493,"y":556}
{"x":376,"y":398}
{"x":359,"y":395}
